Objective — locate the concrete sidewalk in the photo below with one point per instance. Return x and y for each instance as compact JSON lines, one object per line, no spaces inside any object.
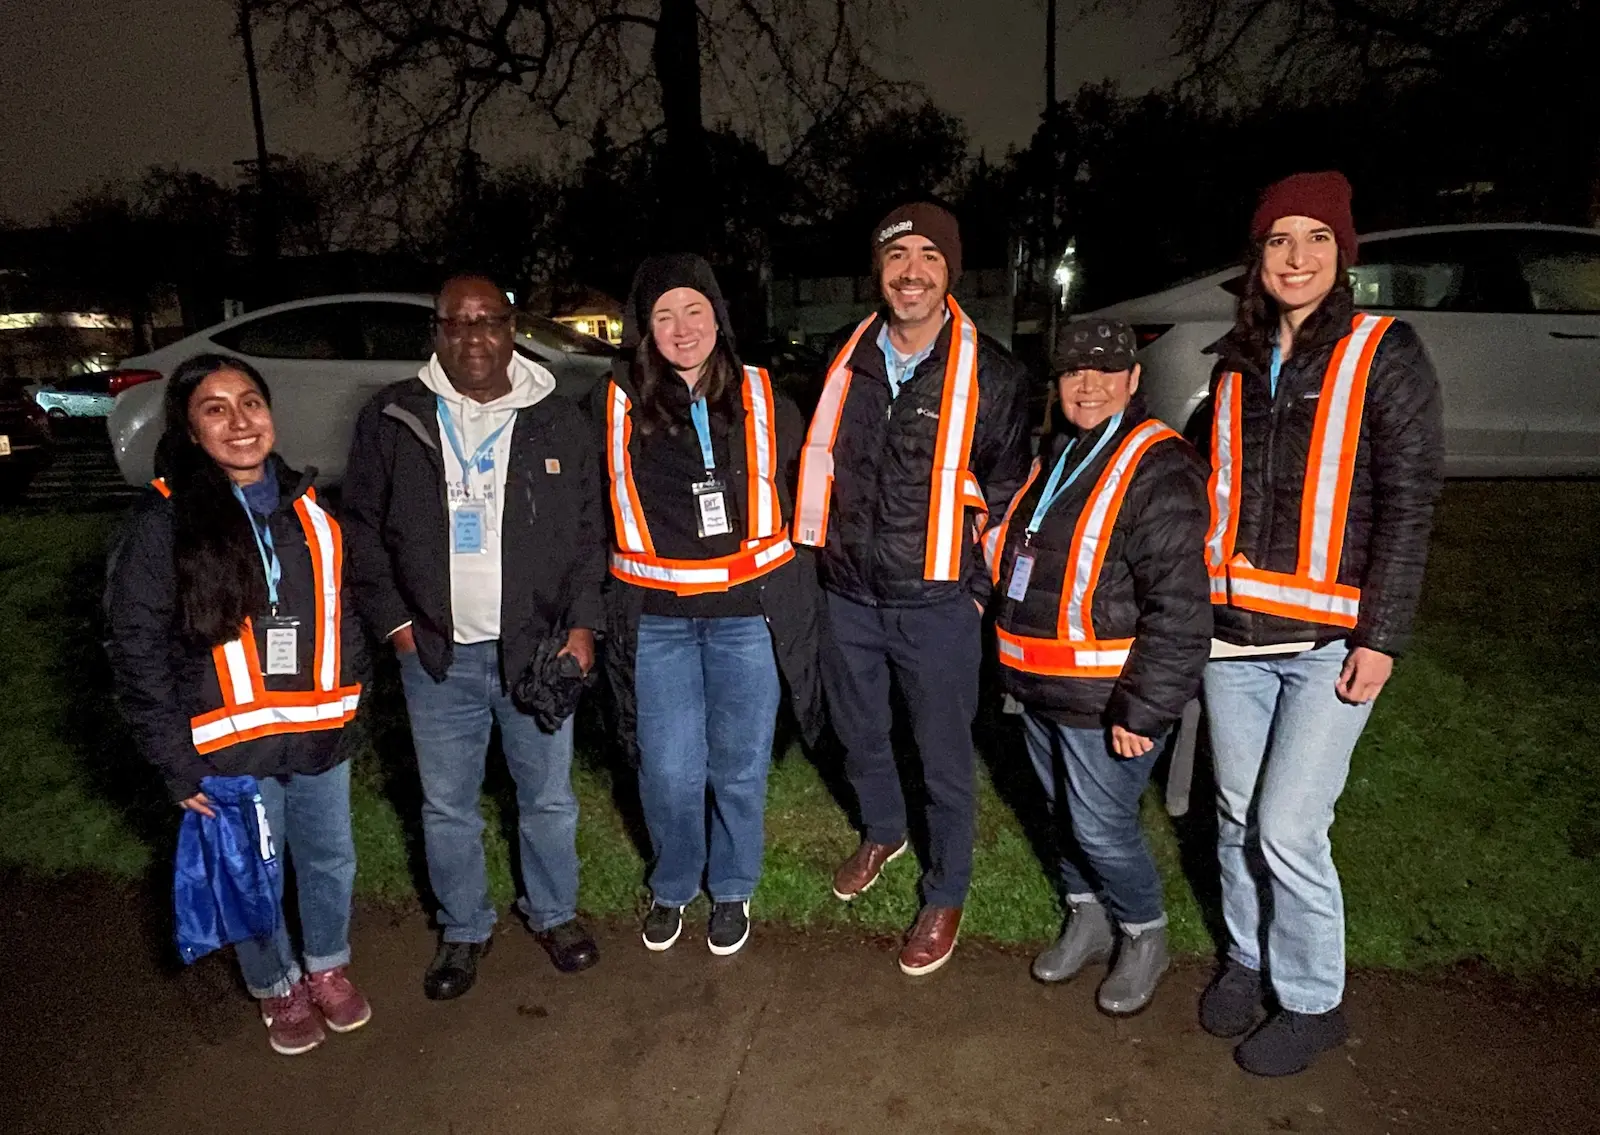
{"x":797,"y":1033}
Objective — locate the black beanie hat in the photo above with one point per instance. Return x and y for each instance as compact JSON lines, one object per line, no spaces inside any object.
{"x":657,"y":276}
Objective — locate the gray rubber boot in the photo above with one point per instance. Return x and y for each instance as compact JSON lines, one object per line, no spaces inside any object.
{"x":1086,"y":938}
{"x":1132,"y":982}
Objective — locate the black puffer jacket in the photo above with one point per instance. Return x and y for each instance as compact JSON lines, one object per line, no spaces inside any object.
{"x":883,"y":472}
{"x":1399,"y":473}
{"x":162,"y":683}
{"x":1152,"y":586}
{"x":791,"y":601}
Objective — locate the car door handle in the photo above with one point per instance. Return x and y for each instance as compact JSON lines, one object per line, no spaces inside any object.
{"x":1573,"y":335}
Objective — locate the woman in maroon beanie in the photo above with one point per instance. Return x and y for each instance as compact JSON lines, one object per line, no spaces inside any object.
{"x":1326,"y":456}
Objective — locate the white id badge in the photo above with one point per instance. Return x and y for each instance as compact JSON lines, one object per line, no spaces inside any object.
{"x":280,"y":645}
{"x":1021,"y":571}
{"x":711,"y":506}
{"x":467,"y":522}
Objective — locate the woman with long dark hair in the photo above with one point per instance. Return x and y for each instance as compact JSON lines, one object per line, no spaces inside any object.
{"x":1327,"y":456}
{"x":709,"y":601}
{"x":232,"y":657}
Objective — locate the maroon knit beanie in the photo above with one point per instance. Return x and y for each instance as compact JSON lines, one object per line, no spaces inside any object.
{"x":1321,"y":196}
{"x":922,"y":219}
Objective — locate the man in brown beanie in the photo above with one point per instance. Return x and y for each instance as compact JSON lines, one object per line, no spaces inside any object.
{"x":918,"y":442}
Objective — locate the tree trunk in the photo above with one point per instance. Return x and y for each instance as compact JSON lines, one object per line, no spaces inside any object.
{"x":677,"y":63}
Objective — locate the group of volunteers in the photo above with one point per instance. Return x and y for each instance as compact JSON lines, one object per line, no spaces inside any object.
{"x":689,"y":536}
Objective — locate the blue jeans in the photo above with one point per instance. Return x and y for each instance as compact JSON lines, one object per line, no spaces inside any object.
{"x":309,"y":818}
{"x":1104,"y":857}
{"x":450,"y":723}
{"x":708,"y":701}
{"x":1282,"y":740}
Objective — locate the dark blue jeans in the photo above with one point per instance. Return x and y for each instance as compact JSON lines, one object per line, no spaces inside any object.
{"x":450,"y":724}
{"x":708,"y":695}
{"x":933,"y":653}
{"x":1104,"y":855}
{"x":309,"y":818}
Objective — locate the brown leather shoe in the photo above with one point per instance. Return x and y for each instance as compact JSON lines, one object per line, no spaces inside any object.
{"x":862,"y":869}
{"x":932,"y":940}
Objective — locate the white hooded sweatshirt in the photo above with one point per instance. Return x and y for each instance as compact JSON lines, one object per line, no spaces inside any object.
{"x":475,"y":576}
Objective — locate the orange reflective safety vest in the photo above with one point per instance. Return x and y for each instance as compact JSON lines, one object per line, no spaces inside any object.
{"x":1312,"y":592}
{"x":249,"y":710}
{"x":766,"y":545}
{"x":1076,"y":651}
{"x":954,"y":489}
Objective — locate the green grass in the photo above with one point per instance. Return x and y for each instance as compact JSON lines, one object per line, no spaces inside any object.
{"x":1470,"y":829}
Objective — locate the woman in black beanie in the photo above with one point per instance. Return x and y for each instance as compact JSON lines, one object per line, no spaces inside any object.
{"x":709,"y":600}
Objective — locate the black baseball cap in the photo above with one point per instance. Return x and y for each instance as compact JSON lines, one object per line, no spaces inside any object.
{"x":1094,"y":343}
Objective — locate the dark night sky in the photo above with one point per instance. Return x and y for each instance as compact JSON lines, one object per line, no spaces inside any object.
{"x":100,"y":89}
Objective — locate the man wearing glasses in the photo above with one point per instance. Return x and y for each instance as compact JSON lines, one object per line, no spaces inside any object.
{"x":473,"y":518}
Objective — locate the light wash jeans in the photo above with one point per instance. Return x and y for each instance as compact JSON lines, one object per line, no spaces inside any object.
{"x":309,"y":818}
{"x":1282,"y":740}
{"x":450,"y":723}
{"x":1104,"y":856}
{"x":708,"y":696}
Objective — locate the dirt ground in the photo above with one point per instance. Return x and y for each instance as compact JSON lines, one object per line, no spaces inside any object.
{"x":798,"y":1033}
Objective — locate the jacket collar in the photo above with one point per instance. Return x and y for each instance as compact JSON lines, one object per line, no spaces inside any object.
{"x":292,"y":483}
{"x":868,"y":356}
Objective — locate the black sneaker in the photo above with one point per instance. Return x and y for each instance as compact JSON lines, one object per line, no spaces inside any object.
{"x":1291,"y":1042}
{"x":662,"y":926}
{"x":1232,"y":1002}
{"x":729,"y":929}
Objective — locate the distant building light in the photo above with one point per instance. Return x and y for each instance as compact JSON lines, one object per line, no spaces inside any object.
{"x":87,"y":320}
{"x":596,"y":325}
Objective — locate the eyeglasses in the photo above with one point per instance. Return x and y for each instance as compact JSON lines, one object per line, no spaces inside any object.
{"x":460,"y":328}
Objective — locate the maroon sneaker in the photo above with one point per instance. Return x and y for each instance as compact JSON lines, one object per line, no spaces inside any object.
{"x":342,"y":1006}
{"x":293,"y":1023}
{"x":932,"y":940}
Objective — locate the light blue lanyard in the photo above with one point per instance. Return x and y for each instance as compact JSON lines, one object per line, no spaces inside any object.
{"x":483,"y":457}
{"x":1055,"y":486}
{"x":702,"y":429}
{"x":264,"y":545}
{"x":1277,"y":365}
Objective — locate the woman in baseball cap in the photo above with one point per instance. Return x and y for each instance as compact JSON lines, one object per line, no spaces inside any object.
{"x":1104,"y":624}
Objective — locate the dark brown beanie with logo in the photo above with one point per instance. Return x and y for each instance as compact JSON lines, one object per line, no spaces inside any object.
{"x":925,"y":219}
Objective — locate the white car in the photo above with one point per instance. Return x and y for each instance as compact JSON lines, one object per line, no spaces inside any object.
{"x":323,"y":359}
{"x":77,"y":396}
{"x":1509,"y":314}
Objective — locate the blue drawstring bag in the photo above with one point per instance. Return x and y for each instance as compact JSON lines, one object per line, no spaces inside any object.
{"x":225,"y":882}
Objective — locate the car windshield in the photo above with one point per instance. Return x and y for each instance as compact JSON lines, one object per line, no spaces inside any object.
{"x":554,"y":336}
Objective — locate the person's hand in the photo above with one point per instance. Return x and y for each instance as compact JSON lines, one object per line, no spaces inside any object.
{"x":404,"y":641}
{"x":978,"y":603}
{"x":1129,"y":745}
{"x":1364,"y":674}
{"x":580,"y":644}
{"x":198,"y":803}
